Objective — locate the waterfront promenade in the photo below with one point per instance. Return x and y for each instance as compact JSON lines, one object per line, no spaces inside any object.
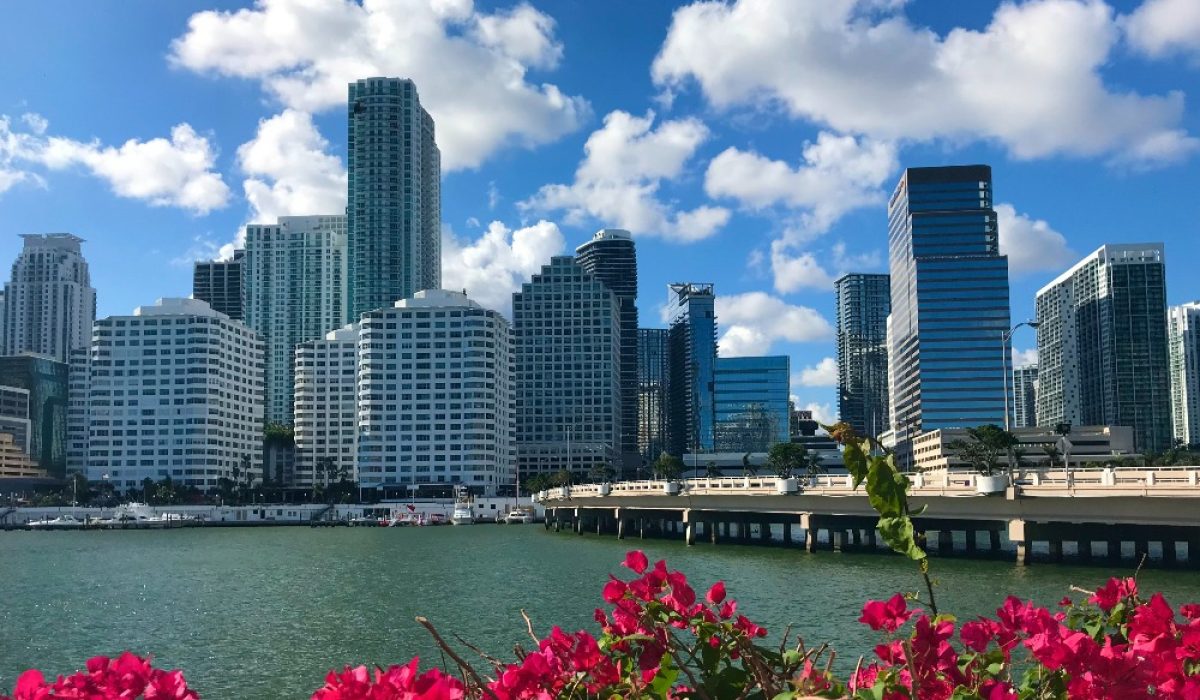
{"x":1045,"y":514}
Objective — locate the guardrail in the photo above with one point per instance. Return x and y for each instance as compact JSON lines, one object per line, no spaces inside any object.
{"x":1166,"y":481}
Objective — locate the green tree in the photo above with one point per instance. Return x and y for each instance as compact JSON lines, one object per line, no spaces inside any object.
{"x":602,"y":473}
{"x":787,"y":459}
{"x":984,"y":447}
{"x":1052,"y":453}
{"x":712,"y":471}
{"x":747,"y":468}
{"x":667,"y":467}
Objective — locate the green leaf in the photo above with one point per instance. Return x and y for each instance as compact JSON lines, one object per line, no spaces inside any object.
{"x":886,"y":489}
{"x":855,"y":459}
{"x":664,"y":680}
{"x":898,"y":533}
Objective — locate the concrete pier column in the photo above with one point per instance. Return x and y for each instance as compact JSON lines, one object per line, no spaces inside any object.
{"x":1056,"y":549}
{"x":689,"y":528}
{"x":1168,"y":549}
{"x":764,"y":531}
{"x":1018,"y":535}
{"x":837,"y":538}
{"x":620,"y":528}
{"x":641,"y":528}
{"x":578,"y":522}
{"x":1114,"y":550}
{"x":945,"y":542}
{"x":1085,"y":550}
{"x":599,"y":523}
{"x":787,"y":534}
{"x":871,"y":534}
{"x":810,"y":540}
{"x":712,"y":527}
{"x":1022,"y":553}
{"x":557,"y":520}
{"x":1141,"y":548}
{"x":994,"y":541}
{"x":972,"y":545}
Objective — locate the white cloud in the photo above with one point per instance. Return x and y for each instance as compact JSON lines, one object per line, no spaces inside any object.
{"x":495,"y":265}
{"x":1020,"y":358}
{"x":174,"y":172}
{"x":1030,"y":244}
{"x":822,"y":413}
{"x":836,"y":174}
{"x":755,"y":320}
{"x":1031,"y":80}
{"x":470,"y":67}
{"x":617,"y":183}
{"x":824,"y":373}
{"x":795,"y":271}
{"x":1161,"y":27}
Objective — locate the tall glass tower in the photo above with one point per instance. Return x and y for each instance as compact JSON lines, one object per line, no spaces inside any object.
{"x":863,"y":305}
{"x":652,"y":393}
{"x":612,"y":258}
{"x":692,"y":363}
{"x":1102,"y":344}
{"x":393,"y":209}
{"x":950,"y":307}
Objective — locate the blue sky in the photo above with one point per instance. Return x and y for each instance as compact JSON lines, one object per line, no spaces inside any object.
{"x":750,"y":143}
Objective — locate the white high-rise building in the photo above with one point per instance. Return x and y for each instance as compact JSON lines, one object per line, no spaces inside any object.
{"x":435,"y":393}
{"x":49,"y":303}
{"x":327,"y":407}
{"x":294,"y":290}
{"x":1183,"y":346}
{"x":175,"y":390}
{"x":79,"y":382}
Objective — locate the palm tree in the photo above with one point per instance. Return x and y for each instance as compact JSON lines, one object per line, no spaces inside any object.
{"x":1052,"y":453}
{"x":712,"y":471}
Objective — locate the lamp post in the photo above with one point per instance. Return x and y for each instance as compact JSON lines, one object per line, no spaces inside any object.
{"x":1005,"y":359}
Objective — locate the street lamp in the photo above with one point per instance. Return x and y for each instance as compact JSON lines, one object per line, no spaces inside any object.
{"x":1005,"y":359}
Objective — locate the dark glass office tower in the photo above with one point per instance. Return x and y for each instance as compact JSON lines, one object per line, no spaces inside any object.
{"x":652,"y":393}
{"x":692,"y":363}
{"x":863,"y":305}
{"x":611,"y":257}
{"x":752,"y":411}
{"x":219,"y":282}
{"x":393,"y":210}
{"x":950,"y":307}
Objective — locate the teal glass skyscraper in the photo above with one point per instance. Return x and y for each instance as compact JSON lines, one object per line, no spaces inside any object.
{"x":863,"y":304}
{"x":692,"y":365}
{"x":949,"y":298}
{"x":393,"y":208}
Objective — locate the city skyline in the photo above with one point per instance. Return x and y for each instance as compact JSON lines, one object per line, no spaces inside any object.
{"x":793,"y":179}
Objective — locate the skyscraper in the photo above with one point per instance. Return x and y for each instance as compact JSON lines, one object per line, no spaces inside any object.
{"x":393,"y":210}
{"x":567,"y":345}
{"x":751,"y":398}
{"x":863,"y":305}
{"x":295,"y":290}
{"x":219,"y":282}
{"x":1102,"y":344}
{"x":197,"y":421}
{"x":1024,"y":387}
{"x":949,"y":300}
{"x":612,"y":258}
{"x":1183,"y":346}
{"x":49,"y":303}
{"x":327,"y":407}
{"x":46,"y":381}
{"x":692,"y":361}
{"x":652,"y":393}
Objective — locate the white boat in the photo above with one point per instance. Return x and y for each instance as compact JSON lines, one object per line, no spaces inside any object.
{"x":462,"y":514}
{"x":140,"y":515}
{"x":412,"y":519}
{"x":62,"y":522}
{"x":519,"y":516}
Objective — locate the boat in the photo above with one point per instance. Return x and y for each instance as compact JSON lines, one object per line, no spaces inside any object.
{"x":410,"y":519}
{"x":519,"y":516}
{"x":462,"y":514}
{"x":141,"y":516}
{"x":62,"y":522}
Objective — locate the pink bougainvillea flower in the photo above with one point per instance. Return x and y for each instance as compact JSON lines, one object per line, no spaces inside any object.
{"x":716,"y":594}
{"x":1111,"y":593}
{"x":889,"y":616}
{"x":636,"y":561}
{"x":614,"y":590}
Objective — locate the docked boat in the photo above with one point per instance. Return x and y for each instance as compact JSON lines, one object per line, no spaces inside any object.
{"x":141,"y":516}
{"x":62,"y":522}
{"x":519,"y":516}
{"x":462,"y":514}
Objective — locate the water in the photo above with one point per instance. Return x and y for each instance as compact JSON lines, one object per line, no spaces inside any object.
{"x":265,"y":612}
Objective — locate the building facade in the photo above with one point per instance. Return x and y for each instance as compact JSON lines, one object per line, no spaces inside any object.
{"x":46,"y":381}
{"x":1183,"y":348}
{"x":1090,"y":445}
{"x":435,"y":389}
{"x":79,"y":417}
{"x":611,"y":257}
{"x":1102,"y":344}
{"x":14,"y":416}
{"x":1024,"y":388}
{"x":692,"y":361}
{"x":49,"y":302}
{"x":751,"y":397}
{"x":949,"y":302}
{"x":295,"y":291}
{"x":393,"y":210}
{"x":863,"y":305}
{"x":652,"y":394}
{"x":567,"y":344}
{"x":175,"y":391}
{"x":327,"y":406}
{"x":219,"y":283}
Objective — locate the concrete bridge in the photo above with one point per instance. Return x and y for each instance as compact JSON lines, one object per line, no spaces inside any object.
{"x":1044,"y":514}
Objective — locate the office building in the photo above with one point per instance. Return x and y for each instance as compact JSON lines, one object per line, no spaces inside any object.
{"x":435,"y":395}
{"x":15,"y":463}
{"x":820,"y":446}
{"x":1102,"y":344}
{"x":219,"y":283}
{"x":14,"y":415}
{"x":652,"y":394}
{"x":1183,"y":348}
{"x":1090,"y":445}
{"x":567,"y":344}
{"x":863,"y":305}
{"x":1024,"y":392}
{"x":692,"y":360}
{"x":327,"y":406}
{"x":949,"y":302}
{"x":175,"y":391}
{"x":751,"y":403}
{"x":49,"y":302}
{"x":611,"y":257}
{"x":393,"y":210}
{"x":79,"y":417}
{"x":46,"y":381}
{"x":295,"y":290}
